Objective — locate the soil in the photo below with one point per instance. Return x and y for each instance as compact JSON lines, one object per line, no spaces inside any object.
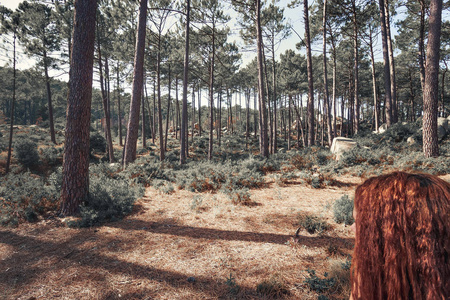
{"x":182,"y":246}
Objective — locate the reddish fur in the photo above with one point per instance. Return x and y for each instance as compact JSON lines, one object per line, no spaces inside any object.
{"x":402,"y":238}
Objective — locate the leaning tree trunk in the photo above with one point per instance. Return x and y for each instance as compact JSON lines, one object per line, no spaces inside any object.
{"x":138,"y":80}
{"x":75,"y":184}
{"x":430,"y":97}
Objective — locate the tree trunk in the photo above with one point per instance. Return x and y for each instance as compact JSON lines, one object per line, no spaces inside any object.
{"x":168,"y":110}
{"x":430,"y":97}
{"x":211,"y":96}
{"x":184,"y":118}
{"x":274,"y":97}
{"x":144,"y":121}
{"x":49,"y":99}
{"x":422,"y":44}
{"x":442,"y":110}
{"x":325,"y":74}
{"x":119,"y":113}
{"x":160,"y":120}
{"x":374,"y":82}
{"x":138,"y":79}
{"x":310,"y":76}
{"x":356,"y":111}
{"x":75,"y":185}
{"x":105,"y":105}
{"x":13,"y":101}
{"x":391,"y":63}
{"x":387,"y":74}
{"x":264,"y":147}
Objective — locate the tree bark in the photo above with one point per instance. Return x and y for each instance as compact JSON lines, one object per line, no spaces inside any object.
{"x":391,"y":63}
{"x":184,"y":117}
{"x":49,"y":99}
{"x":264,"y":146}
{"x":387,"y":74}
{"x":430,"y":97}
{"x":374,"y":82}
{"x":325,"y":74}
{"x":310,"y":76}
{"x":138,"y":79}
{"x":13,"y":101}
{"x":105,"y":105}
{"x":211,"y":95}
{"x":75,"y":185}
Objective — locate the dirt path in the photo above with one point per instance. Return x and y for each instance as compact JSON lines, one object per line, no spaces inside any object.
{"x":178,"y":246}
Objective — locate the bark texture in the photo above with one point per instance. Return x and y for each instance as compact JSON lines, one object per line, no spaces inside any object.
{"x":75,"y":186}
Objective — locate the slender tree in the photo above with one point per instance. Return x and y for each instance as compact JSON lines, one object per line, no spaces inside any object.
{"x":75,"y":185}
{"x":184,"y":115}
{"x":431,"y":94}
{"x":138,"y":81}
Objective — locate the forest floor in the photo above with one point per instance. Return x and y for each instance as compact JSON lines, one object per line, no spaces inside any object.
{"x":182,"y":246}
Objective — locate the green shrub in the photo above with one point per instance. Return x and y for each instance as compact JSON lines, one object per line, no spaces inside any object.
{"x":109,"y":200}
{"x":233,"y":287}
{"x":26,"y":152}
{"x":97,"y":143}
{"x":317,"y":284}
{"x":25,"y":196}
{"x":343,"y":210}
{"x":51,"y":155}
{"x":311,"y":223}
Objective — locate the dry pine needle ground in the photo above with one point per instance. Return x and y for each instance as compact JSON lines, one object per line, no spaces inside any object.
{"x":178,"y":246}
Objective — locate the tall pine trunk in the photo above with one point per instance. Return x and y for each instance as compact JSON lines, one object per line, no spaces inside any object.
{"x":430,"y":97}
{"x":387,"y":74}
{"x":310,"y":104}
{"x":138,"y":80}
{"x":75,"y":185}
{"x":264,"y":146}
{"x":49,"y":99}
{"x":184,"y":116}
{"x":325,"y":74}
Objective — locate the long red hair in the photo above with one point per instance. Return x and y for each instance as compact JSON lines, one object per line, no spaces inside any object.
{"x":402,"y":240}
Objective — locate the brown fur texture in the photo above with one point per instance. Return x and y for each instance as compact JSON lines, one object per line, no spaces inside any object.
{"x":402,"y":238}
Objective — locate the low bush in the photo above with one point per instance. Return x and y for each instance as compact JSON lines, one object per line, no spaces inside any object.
{"x":97,"y":143}
{"x":26,"y":196}
{"x":26,"y":153}
{"x":317,"y":284}
{"x":343,"y":210}
{"x":51,"y":156}
{"x":109,"y":200}
{"x":311,"y":223}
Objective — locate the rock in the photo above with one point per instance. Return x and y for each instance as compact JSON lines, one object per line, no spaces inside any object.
{"x":341,"y":145}
{"x":382,"y":128}
{"x":411,"y":141}
{"x":443,"y":122}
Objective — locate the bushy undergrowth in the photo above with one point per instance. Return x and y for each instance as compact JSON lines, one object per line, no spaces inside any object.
{"x":26,"y":152}
{"x":343,"y":210}
{"x":109,"y":200}
{"x":312,"y":223}
{"x":25,"y":196}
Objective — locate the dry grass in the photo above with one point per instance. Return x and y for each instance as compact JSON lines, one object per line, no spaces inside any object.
{"x":174,"y":248}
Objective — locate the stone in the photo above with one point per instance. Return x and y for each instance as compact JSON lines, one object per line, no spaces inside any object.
{"x":382,"y":128}
{"x":341,"y":145}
